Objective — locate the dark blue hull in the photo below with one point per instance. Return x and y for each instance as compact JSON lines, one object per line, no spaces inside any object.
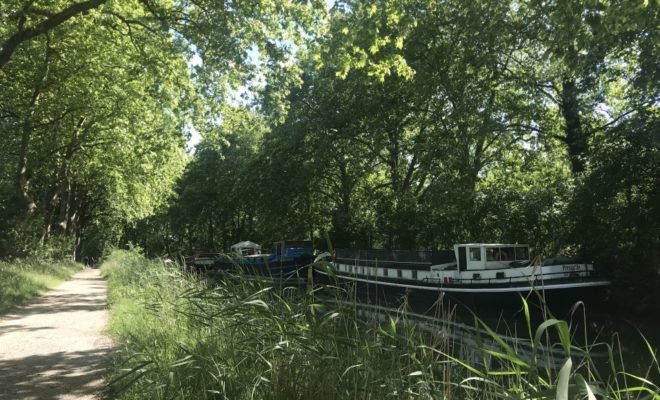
{"x":275,"y":267}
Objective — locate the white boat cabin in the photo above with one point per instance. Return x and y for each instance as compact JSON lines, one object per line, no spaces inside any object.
{"x":484,"y":256}
{"x":245,"y":248}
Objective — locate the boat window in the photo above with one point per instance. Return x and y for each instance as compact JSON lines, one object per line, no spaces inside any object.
{"x":475,"y":254}
{"x":398,"y":273}
{"x":384,"y":271}
{"x":414,"y":273}
{"x":522,"y":253}
{"x":506,"y":253}
{"x":500,"y":254}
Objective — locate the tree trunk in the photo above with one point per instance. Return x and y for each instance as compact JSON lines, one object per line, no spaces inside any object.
{"x":576,"y":138}
{"x":211,"y":240}
{"x":65,"y":204}
{"x":49,"y":202}
{"x":22,"y":181}
{"x":190,"y":240}
{"x":74,"y":208}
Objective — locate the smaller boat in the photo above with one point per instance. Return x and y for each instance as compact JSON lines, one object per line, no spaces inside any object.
{"x":283,"y":262}
{"x":475,"y":273}
{"x":245,"y":248}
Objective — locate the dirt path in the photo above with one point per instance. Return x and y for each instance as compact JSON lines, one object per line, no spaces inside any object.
{"x":54,"y":348}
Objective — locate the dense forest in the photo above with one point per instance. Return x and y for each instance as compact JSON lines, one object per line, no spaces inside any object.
{"x":408,"y":124}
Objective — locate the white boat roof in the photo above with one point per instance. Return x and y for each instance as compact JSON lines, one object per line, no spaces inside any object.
{"x":492,"y":244}
{"x":246,"y":244}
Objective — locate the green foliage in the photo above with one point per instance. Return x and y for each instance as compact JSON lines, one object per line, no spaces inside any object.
{"x":98,"y":97}
{"x":504,"y":122}
{"x":617,"y":210}
{"x":23,"y":279}
{"x":394,"y":123}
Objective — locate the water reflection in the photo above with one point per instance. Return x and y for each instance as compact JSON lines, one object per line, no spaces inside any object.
{"x":472,"y":344}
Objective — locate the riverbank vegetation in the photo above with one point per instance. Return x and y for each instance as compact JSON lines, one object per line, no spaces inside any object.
{"x":23,"y":279}
{"x":180,"y":336}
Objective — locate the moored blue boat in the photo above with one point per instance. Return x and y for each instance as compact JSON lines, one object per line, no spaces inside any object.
{"x":285,"y":261}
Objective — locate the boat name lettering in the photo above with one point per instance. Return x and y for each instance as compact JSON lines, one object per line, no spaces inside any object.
{"x":570,"y":267}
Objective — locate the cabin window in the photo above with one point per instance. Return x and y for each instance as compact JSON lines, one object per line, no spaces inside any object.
{"x":384,"y":271}
{"x":414,"y":274}
{"x":475,"y":254}
{"x":500,"y":254}
{"x":398,"y":273}
{"x":506,"y":254}
{"x":522,"y":253}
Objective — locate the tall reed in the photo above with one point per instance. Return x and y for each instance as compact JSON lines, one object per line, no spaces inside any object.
{"x":182,"y":336}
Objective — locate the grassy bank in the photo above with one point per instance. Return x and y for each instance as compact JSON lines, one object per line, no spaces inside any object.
{"x":21,"y":280}
{"x":180,"y":337}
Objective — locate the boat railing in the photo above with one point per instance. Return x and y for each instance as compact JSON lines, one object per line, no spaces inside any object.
{"x":418,"y":265}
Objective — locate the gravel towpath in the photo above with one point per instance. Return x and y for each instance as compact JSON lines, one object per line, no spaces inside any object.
{"x":55,"y":347}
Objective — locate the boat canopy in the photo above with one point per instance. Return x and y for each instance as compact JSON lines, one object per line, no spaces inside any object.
{"x":246,"y":248}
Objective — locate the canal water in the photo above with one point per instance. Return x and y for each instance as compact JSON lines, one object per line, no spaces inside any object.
{"x":630,"y":341}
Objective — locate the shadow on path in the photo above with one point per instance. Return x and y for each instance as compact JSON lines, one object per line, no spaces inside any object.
{"x":54,"y":347}
{"x":58,"y":375}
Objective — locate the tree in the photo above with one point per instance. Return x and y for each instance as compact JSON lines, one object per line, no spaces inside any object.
{"x":81,"y":132}
{"x":99,"y":94}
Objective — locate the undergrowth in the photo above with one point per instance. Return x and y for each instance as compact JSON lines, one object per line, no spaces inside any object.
{"x":23,"y":279}
{"x":183,"y":337}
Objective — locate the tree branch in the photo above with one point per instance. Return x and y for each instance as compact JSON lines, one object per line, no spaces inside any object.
{"x":23,"y":35}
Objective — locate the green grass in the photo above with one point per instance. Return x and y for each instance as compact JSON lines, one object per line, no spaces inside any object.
{"x":21,"y":280}
{"x":180,"y":337}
